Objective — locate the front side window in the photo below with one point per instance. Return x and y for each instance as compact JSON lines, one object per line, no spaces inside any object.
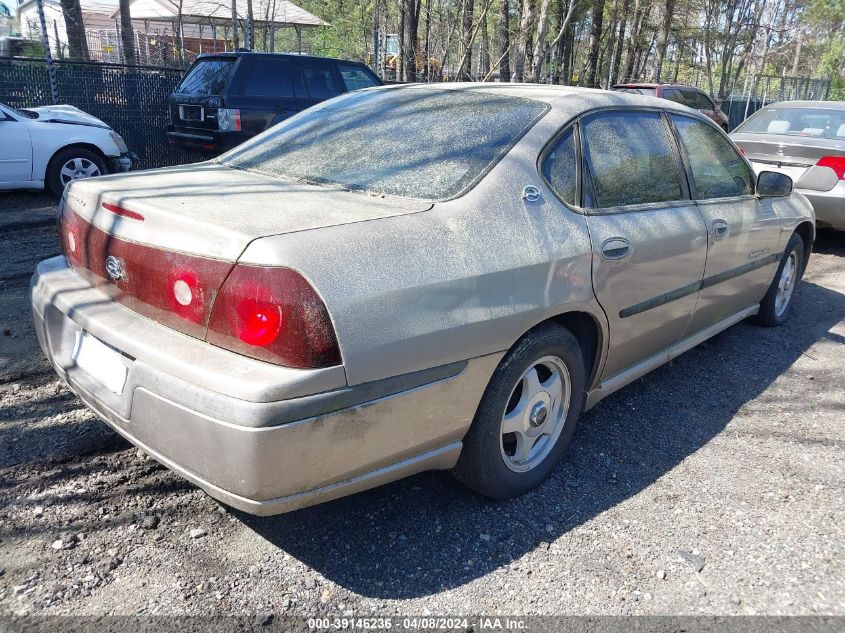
{"x":560,"y":168}
{"x":413,"y":142}
{"x":691,"y":100}
{"x":314,"y":81}
{"x":704,"y":102}
{"x":674,"y":95}
{"x":718,"y":170}
{"x":356,"y":77}
{"x":629,"y":159}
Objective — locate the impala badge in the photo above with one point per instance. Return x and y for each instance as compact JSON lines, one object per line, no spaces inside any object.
{"x":781,"y":149}
{"x":114,"y":268}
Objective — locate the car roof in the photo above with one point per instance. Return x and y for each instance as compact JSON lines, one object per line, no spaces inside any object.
{"x":235,"y":54}
{"x":571,"y":98}
{"x":657,"y":85}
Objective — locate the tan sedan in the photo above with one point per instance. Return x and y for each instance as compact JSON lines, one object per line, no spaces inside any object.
{"x":409,"y":278}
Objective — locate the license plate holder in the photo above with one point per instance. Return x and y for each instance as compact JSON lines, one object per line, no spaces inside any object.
{"x":100,"y":361}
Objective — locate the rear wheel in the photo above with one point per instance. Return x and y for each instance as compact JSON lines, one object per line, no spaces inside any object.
{"x":73,"y":163}
{"x":774,"y":308}
{"x":526,"y":416}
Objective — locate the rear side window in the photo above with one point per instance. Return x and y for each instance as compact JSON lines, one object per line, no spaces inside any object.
{"x":420,"y":143}
{"x":718,"y":170}
{"x":559,"y":168}
{"x":314,"y":81}
{"x":630,"y":159}
{"x":207,"y":77}
{"x":355,"y":77}
{"x":264,"y":77}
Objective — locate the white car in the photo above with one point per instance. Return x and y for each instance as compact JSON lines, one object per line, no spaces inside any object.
{"x":53,"y":145}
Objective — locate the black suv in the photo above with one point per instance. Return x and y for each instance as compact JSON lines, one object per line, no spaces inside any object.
{"x":226,"y":98}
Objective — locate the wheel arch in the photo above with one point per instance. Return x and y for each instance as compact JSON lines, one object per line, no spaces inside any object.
{"x":807,"y":231}
{"x":91,"y":147}
{"x":592,"y":335}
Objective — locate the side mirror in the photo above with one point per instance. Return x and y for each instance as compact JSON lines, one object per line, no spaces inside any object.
{"x":772,"y":184}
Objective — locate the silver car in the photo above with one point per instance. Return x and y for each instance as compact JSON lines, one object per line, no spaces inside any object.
{"x":409,"y":278}
{"x":806,"y":141}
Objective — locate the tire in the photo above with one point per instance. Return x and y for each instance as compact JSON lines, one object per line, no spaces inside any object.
{"x":773,"y":311}
{"x":490,"y":462}
{"x":89,"y":163}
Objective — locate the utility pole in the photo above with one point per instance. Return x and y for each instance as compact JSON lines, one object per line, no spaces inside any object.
{"x":51,"y":70}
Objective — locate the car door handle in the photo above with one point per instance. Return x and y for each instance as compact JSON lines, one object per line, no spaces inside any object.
{"x":720,"y":228}
{"x":615,"y":248}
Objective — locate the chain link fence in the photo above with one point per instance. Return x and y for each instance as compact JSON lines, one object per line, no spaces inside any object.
{"x":752,"y":92}
{"x":131,"y":99}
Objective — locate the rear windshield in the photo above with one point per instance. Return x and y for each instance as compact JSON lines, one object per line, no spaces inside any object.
{"x":818,"y":122}
{"x":207,"y":77}
{"x":635,"y":91}
{"x":431,"y":144}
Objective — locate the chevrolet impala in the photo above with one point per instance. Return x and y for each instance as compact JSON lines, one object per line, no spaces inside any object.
{"x":408,"y":278}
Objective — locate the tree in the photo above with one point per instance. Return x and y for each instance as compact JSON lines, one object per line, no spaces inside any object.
{"x":235,"y":43}
{"x":504,"y":41}
{"x":662,"y":39}
{"x":412,"y":22}
{"x":75,"y":29}
{"x":595,"y":42}
{"x":526,"y":22}
{"x":620,"y":40}
{"x":127,"y":34}
{"x":539,"y":46}
{"x":466,"y":40}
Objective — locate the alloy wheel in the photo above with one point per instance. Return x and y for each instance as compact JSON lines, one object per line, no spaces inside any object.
{"x":78,"y":168}
{"x":786,"y":283}
{"x":535,"y":414}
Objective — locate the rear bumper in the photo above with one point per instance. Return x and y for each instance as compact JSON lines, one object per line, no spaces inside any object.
{"x":260,"y":438}
{"x":828,"y":205}
{"x":212,"y":141}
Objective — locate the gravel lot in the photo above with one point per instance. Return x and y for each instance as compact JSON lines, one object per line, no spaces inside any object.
{"x":714,"y":485}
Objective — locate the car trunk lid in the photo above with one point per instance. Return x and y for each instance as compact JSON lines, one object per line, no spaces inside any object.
{"x":134,"y":236}
{"x":788,"y":154}
{"x":214,"y":211}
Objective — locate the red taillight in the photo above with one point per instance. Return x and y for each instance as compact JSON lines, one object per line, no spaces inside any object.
{"x":836,"y":163}
{"x":273,"y":314}
{"x":126,"y":213}
{"x":174,"y":289}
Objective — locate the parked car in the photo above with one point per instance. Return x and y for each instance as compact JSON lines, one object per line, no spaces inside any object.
{"x":679,"y":93}
{"x":409,"y":278}
{"x":226,"y":98}
{"x":53,"y":145}
{"x":806,"y":141}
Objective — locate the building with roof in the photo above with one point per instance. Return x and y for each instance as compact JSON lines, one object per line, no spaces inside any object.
{"x":162,"y":34}
{"x":6,"y":17}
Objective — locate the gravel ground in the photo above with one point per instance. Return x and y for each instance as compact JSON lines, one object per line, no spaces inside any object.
{"x":713,"y":485}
